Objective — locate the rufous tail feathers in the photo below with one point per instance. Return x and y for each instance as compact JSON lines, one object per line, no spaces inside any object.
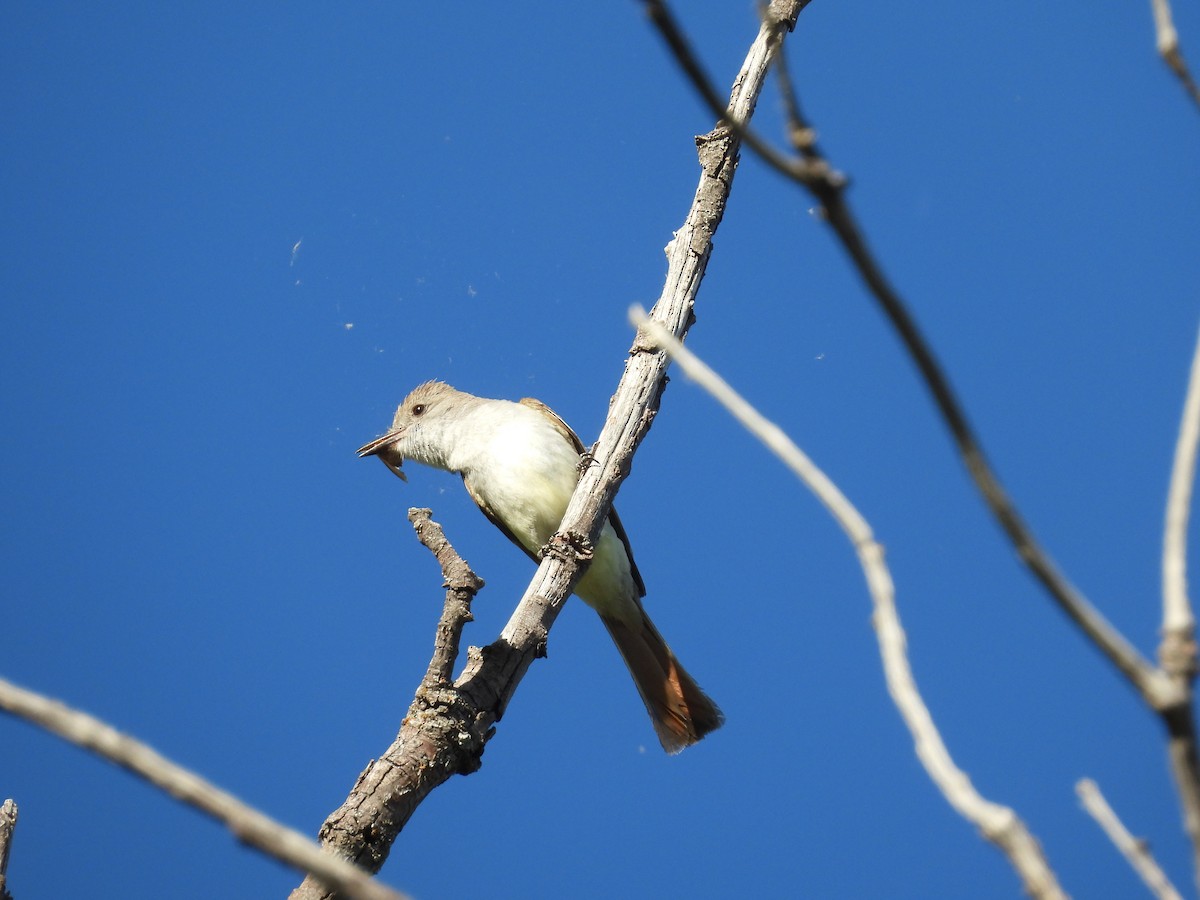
{"x":681,"y":712}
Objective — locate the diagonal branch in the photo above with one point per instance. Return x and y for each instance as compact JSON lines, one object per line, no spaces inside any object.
{"x":428,"y":751}
{"x":1167,"y":41}
{"x":1136,"y":852}
{"x":247,"y":824}
{"x":999,"y":824}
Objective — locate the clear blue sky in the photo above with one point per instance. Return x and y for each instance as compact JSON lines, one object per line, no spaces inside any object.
{"x":233,"y":239}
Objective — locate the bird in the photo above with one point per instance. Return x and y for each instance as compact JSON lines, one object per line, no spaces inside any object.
{"x":520,"y":463}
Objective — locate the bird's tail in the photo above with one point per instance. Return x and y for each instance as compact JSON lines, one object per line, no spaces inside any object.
{"x":681,"y":712}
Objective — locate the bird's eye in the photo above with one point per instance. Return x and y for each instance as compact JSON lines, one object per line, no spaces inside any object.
{"x":418,"y":409}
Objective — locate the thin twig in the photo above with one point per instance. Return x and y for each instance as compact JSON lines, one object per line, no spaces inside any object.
{"x":1136,"y":851}
{"x":801,"y":135}
{"x":461,"y":584}
{"x":1167,"y":41}
{"x":247,"y":824}
{"x":999,"y":824}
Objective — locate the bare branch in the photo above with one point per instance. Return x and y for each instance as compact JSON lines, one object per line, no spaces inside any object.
{"x":441,"y":735}
{"x":999,"y":824}
{"x":663,"y":19}
{"x":461,"y":585}
{"x":1136,"y":851}
{"x":8,"y":825}
{"x":1179,"y":623}
{"x":247,"y":824}
{"x":447,"y":728}
{"x":1167,"y":40}
{"x":810,"y":169}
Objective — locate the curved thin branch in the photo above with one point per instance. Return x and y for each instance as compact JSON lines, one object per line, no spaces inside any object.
{"x":247,"y":824}
{"x":999,"y":824}
{"x":1158,"y":691}
{"x":1136,"y":852}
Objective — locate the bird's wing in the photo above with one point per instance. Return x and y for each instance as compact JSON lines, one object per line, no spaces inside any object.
{"x":613,"y":519}
{"x":496,"y":520}
{"x":559,"y":425}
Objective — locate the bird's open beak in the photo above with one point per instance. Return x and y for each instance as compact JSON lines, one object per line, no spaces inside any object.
{"x":382,"y":447}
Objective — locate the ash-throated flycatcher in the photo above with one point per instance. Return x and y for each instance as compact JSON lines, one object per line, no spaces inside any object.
{"x":520,"y":464}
